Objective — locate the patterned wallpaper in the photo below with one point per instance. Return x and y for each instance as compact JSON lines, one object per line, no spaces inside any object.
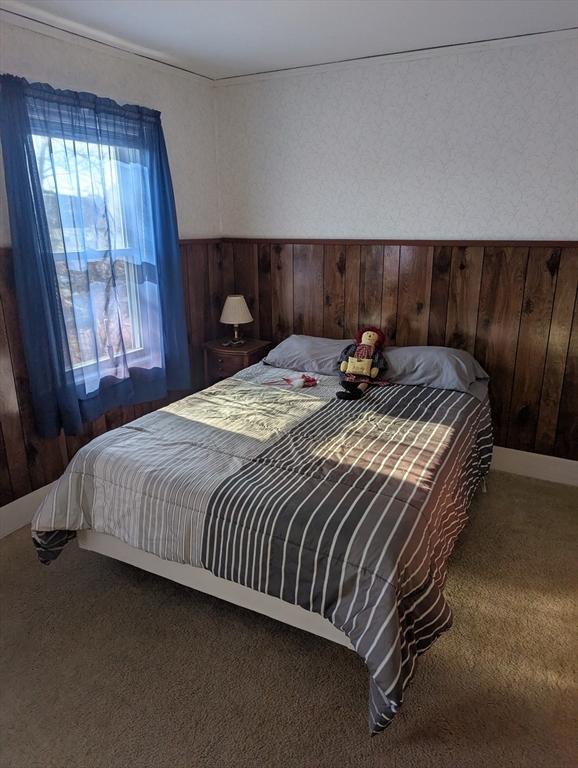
{"x":473,"y":143}
{"x":477,"y":143}
{"x":186,"y":104}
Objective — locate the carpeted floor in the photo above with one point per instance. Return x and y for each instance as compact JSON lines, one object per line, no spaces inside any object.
{"x":105,"y":666}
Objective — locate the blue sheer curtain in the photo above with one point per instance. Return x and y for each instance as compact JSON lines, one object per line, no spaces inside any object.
{"x":95,"y":251}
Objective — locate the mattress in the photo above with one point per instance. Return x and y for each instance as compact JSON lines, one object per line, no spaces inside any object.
{"x":349,"y":509}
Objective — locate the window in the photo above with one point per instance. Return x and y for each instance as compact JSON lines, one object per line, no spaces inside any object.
{"x":94,"y":197}
{"x":96,"y":252}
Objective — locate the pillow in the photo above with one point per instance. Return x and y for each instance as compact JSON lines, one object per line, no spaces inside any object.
{"x":308,"y":353}
{"x":437,"y":367}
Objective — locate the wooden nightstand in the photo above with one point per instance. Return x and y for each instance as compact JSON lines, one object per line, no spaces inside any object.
{"x":221,"y":362}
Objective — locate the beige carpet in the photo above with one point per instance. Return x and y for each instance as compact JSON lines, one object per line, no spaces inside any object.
{"x":103,"y":665}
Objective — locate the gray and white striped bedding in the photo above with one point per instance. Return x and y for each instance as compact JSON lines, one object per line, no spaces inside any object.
{"x":348,"y":509}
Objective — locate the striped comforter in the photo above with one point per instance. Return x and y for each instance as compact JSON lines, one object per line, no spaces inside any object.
{"x":348,"y":509}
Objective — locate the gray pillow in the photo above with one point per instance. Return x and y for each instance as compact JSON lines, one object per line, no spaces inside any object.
{"x":308,"y":353}
{"x":437,"y":367}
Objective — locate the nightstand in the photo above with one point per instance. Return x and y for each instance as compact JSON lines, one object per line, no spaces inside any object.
{"x":221,"y":362}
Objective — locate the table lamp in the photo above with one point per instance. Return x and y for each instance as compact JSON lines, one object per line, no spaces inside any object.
{"x":235,"y":312}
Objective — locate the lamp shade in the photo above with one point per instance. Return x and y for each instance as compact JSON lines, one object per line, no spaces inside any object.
{"x":236,"y":311}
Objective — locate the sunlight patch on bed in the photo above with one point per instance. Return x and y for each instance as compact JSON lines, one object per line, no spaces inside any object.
{"x":244,"y":409}
{"x":349,"y":447}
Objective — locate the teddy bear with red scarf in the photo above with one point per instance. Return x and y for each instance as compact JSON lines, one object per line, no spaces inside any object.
{"x":362,"y":363}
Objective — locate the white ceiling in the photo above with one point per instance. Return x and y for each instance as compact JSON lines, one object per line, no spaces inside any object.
{"x":223,"y":38}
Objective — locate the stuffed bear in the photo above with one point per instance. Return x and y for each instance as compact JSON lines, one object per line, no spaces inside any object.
{"x":361,"y":363}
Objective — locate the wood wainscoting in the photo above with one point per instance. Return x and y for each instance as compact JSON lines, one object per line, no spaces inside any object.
{"x":28,"y":461}
{"x":513,"y":305}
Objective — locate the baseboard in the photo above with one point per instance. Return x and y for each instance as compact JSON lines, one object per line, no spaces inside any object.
{"x":21,"y":511}
{"x":535,"y":465}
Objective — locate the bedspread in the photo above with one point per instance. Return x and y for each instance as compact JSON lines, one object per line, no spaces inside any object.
{"x":346,"y":508}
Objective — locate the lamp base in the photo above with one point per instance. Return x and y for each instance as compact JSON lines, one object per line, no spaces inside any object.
{"x":237,"y":339}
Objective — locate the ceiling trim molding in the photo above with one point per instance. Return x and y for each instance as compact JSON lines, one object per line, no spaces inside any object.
{"x":20,"y":15}
{"x":403,"y":56}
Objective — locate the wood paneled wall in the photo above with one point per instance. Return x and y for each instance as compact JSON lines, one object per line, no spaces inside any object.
{"x":28,"y":461}
{"x":513,"y":305}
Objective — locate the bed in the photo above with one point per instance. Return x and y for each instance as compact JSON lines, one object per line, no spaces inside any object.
{"x":335,"y":517}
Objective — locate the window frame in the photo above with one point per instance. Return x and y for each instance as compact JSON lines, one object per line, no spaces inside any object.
{"x":141,"y":353}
